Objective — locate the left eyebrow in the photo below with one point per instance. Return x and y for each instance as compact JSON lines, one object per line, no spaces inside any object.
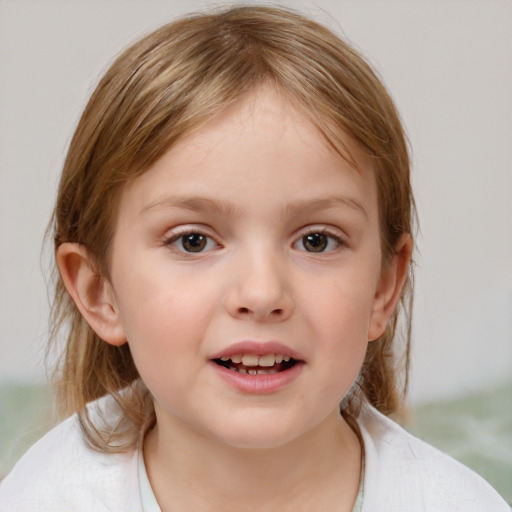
{"x":325,"y":203}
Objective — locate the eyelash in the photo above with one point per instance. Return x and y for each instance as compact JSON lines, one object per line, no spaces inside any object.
{"x":329,"y":236}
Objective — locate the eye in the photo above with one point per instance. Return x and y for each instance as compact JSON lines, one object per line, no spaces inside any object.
{"x":191,"y":242}
{"x":318,"y":242}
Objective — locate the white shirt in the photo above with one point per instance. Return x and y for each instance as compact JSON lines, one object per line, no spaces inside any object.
{"x":402,"y":474}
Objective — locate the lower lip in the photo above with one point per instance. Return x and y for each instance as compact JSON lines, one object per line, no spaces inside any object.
{"x":258,"y":384}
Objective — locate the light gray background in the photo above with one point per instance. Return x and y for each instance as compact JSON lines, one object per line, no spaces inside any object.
{"x":448,"y":64}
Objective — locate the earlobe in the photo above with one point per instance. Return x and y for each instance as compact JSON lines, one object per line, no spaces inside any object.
{"x":390,"y":286}
{"x":91,"y":293}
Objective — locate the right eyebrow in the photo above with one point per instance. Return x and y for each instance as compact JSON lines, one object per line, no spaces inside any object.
{"x":196,"y":204}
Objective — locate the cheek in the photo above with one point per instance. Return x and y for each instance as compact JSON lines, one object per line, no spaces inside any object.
{"x":342,"y":307}
{"x":164,"y":316}
{"x":339,"y":317}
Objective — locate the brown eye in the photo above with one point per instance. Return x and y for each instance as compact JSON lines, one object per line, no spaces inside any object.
{"x":315,"y":242}
{"x":319,"y":242}
{"x":193,"y":242}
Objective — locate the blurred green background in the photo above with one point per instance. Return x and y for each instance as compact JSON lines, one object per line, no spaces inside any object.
{"x":476,"y":430}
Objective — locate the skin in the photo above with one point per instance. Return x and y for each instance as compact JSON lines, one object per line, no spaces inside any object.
{"x":255,"y":181}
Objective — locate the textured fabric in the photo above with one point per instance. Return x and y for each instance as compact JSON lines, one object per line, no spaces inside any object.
{"x":358,"y":505}
{"x":61,"y":474}
{"x":402,"y":474}
{"x":148,"y":498}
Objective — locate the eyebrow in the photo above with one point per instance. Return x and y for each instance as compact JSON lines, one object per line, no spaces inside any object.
{"x":195,"y":204}
{"x":324,"y":203}
{"x":205,"y":204}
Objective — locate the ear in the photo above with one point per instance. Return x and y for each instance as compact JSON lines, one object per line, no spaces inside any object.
{"x":92,"y":293}
{"x":389,"y":288}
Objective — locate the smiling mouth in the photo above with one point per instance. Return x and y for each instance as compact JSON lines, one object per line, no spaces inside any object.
{"x":251,"y":364}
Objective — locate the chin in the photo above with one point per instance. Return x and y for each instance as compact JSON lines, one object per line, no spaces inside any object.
{"x":258,"y":435}
{"x":258,"y":441}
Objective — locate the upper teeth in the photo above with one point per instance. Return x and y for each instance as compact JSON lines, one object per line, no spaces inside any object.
{"x":254,"y":360}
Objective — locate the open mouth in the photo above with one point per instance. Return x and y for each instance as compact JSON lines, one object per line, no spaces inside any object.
{"x":257,"y":365}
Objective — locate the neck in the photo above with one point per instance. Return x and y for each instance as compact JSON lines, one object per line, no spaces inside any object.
{"x":319,"y":471}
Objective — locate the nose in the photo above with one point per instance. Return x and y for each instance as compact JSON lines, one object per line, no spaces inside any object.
{"x":260,"y":289}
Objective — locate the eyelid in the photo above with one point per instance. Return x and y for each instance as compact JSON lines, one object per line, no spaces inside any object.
{"x":323,"y":229}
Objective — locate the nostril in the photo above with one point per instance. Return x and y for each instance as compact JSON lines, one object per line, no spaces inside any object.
{"x":243,"y":310}
{"x":276,"y":312}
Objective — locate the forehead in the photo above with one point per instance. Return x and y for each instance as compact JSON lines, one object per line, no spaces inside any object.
{"x":260,"y":143}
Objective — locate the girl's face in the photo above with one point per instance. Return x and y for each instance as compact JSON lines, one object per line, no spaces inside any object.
{"x":246,"y":276}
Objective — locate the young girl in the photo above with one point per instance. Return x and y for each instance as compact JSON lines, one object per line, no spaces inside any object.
{"x":233,"y":233}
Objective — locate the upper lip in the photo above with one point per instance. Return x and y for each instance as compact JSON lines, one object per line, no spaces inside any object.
{"x":258,"y":348}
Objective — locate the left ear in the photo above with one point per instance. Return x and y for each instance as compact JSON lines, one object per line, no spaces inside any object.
{"x":389,"y":288}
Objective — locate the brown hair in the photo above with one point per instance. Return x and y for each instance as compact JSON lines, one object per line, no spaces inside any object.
{"x":159,"y":90}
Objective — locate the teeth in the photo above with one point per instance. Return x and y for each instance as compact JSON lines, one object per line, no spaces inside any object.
{"x":250,"y":360}
{"x":254,"y":371}
{"x":267,"y":361}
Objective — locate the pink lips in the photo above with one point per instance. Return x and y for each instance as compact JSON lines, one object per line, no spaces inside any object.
{"x":261,"y":383}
